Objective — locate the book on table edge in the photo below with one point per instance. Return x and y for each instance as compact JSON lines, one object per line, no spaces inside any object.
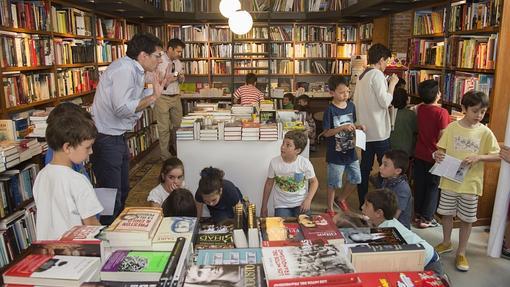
{"x":47,"y":270}
{"x":229,"y":256}
{"x":388,"y":236}
{"x":135,"y":223}
{"x":125,"y":266}
{"x":235,"y":275}
{"x":172,"y":228}
{"x":325,"y":229}
{"x":388,"y":258}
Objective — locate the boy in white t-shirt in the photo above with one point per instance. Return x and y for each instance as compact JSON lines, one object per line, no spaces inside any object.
{"x":65,"y":198}
{"x":287,"y":177}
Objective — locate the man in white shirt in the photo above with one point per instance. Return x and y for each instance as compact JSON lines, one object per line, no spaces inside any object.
{"x":372,"y":97}
{"x":168,"y":108}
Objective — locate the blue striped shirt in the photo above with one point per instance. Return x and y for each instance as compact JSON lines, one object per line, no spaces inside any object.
{"x":118,"y":93}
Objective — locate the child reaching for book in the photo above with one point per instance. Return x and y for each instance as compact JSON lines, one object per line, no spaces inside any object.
{"x":65,"y":198}
{"x":180,"y":202}
{"x":380,"y":207}
{"x":287,"y":179}
{"x":220,"y":195}
{"x":473,"y":143}
{"x":171,"y":177}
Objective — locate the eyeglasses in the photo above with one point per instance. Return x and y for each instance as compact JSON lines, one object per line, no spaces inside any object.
{"x":158,"y":55}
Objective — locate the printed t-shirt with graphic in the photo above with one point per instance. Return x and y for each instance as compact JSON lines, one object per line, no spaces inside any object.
{"x":460,"y":142}
{"x":341,"y":146}
{"x":290,"y":181}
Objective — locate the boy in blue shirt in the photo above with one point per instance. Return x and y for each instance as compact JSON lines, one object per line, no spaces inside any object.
{"x":393,"y":169}
{"x":340,"y":130}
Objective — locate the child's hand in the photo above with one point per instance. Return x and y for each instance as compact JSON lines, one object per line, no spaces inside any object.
{"x":263,"y":211}
{"x":471,"y":159}
{"x":438,"y":156}
{"x":305,"y":206}
{"x":504,"y":153}
{"x":348,"y":128}
{"x":362,"y":127}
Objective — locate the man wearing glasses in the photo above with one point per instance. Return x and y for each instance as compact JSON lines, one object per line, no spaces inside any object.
{"x":118,"y":104}
{"x":168,"y":108}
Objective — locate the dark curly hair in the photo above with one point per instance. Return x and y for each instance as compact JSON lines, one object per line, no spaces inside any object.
{"x":211,"y":180}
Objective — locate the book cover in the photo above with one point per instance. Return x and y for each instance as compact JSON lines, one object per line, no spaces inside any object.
{"x":372,"y":236}
{"x":388,"y":258}
{"x":172,"y":228}
{"x":225,"y":275}
{"x":135,"y":222}
{"x":425,"y":278}
{"x":322,"y":264}
{"x":82,"y":233}
{"x":52,"y":270}
{"x":277,"y":231}
{"x":323,"y":228}
{"x":126,"y":266}
{"x":229,"y":256}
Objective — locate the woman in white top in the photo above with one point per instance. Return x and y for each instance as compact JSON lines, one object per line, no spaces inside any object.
{"x":171,"y":177}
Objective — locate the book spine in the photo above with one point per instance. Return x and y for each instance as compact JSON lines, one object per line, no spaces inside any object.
{"x":169,"y":271}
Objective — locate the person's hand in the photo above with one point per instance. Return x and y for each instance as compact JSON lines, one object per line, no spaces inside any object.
{"x":305,"y":206}
{"x":362,"y":127}
{"x":438,"y":156}
{"x":393,"y":80}
{"x":157,"y":87}
{"x":471,"y":159}
{"x":504,"y":153}
{"x":263,"y":211}
{"x":348,"y":128}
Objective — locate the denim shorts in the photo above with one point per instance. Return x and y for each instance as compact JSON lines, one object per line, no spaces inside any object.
{"x":289,"y":211}
{"x":336,"y":172}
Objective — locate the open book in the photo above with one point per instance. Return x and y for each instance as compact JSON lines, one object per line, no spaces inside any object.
{"x":451,"y":168}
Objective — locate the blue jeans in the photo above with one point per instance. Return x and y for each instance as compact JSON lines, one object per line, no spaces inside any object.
{"x":289,"y":212}
{"x":110,"y":163}
{"x":377,"y":148}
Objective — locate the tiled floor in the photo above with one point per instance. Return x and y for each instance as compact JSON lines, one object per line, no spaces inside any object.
{"x":484,"y":272}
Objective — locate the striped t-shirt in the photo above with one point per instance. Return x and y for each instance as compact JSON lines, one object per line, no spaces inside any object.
{"x":249,"y":95}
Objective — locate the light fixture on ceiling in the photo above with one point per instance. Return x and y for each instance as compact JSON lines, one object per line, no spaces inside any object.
{"x":228,"y":7}
{"x":240,"y":22}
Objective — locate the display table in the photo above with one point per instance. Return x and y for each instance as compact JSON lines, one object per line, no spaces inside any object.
{"x":245,"y":163}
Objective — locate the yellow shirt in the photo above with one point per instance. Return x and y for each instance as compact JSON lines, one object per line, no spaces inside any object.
{"x":460,"y":142}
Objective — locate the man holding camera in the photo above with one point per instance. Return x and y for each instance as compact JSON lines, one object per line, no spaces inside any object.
{"x":168,"y":107}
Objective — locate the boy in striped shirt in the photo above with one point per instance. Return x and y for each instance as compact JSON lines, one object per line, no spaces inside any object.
{"x":248,"y":94}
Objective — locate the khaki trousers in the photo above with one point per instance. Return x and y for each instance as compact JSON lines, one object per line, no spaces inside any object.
{"x":168,"y":112}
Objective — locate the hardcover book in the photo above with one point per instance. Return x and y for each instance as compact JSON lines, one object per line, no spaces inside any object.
{"x":322,"y":228}
{"x":135,"y":224}
{"x":225,"y":275}
{"x":172,"y":228}
{"x":211,"y":236}
{"x":230,"y":256}
{"x":128,"y":266}
{"x":307,"y":265}
{"x":277,"y":231}
{"x":48,"y":270}
{"x":388,"y":258}
{"x":372,"y":236}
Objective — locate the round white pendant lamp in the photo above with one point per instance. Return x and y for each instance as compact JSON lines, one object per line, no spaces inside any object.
{"x":240,"y":22}
{"x":228,"y":7}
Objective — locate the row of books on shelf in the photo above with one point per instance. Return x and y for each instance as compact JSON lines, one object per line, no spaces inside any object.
{"x":17,"y":233}
{"x":16,"y":187}
{"x":309,"y":251}
{"x":177,"y":5}
{"x":145,"y":120}
{"x":108,"y":52}
{"x":427,"y":52}
{"x":474,"y":15}
{"x":429,"y":21}
{"x":24,"y":50}
{"x":211,"y":6}
{"x":314,"y":33}
{"x":24,"y":14}
{"x":142,"y":140}
{"x":73,"y":51}
{"x":240,"y":48}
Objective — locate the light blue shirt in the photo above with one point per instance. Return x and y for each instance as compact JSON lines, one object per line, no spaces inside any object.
{"x":410,"y":237}
{"x":118,"y":93}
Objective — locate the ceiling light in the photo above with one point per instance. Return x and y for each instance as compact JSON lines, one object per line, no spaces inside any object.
{"x":228,"y":7}
{"x":240,"y":22}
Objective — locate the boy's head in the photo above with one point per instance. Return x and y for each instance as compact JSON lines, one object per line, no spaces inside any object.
{"x":72,"y":134}
{"x":180,"y":202}
{"x":339,"y":87}
{"x":474,"y":105}
{"x":303,"y":100}
{"x":288,"y":98}
{"x":380,"y":205}
{"x":400,"y":98}
{"x":378,"y":54}
{"x":428,"y":90}
{"x":210,"y":185}
{"x":293,"y":144}
{"x":394,"y":163}
{"x":67,"y":108}
{"x":251,"y":79}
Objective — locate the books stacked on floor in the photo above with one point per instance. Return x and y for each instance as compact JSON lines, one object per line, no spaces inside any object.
{"x":209,"y":134}
{"x":268,"y":132}
{"x":232,"y":131}
{"x":17,"y":232}
{"x":250,"y":131}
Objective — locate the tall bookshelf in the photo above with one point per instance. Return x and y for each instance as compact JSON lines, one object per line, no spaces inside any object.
{"x":458,"y":44}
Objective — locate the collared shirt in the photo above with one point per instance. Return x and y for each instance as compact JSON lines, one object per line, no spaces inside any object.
{"x":176,"y":66}
{"x":118,"y":93}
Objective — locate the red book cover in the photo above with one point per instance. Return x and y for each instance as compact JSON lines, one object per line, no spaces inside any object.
{"x":324,"y":229}
{"x":417,"y":279}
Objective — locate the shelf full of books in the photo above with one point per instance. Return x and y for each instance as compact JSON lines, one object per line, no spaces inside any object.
{"x":455,"y":43}
{"x":51,"y":50}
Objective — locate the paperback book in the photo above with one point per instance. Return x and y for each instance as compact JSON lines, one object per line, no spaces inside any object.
{"x":225,"y":275}
{"x":125,"y":266}
{"x":229,"y":256}
{"x":372,"y":236}
{"x":211,"y":236}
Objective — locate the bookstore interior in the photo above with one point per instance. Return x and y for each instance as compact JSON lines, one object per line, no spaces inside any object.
{"x":283,"y":54}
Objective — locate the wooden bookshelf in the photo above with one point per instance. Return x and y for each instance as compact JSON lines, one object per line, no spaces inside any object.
{"x":491,"y":80}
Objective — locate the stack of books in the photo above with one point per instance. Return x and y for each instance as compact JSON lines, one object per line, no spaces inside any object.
{"x":185,"y":132}
{"x":9,"y":155}
{"x":232,"y":131}
{"x":250,"y":133}
{"x":210,"y":134}
{"x":38,"y":121}
{"x":269,"y":132}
